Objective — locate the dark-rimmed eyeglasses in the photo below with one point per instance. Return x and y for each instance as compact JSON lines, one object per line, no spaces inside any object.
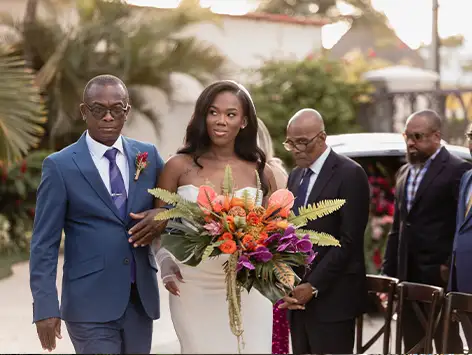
{"x":300,"y":146}
{"x":100,"y":111}
{"x":417,"y":136}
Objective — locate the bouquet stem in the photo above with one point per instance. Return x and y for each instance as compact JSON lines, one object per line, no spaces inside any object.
{"x":233,"y":295}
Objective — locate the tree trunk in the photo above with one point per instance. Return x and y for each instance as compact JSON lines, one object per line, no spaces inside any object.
{"x":28,"y":23}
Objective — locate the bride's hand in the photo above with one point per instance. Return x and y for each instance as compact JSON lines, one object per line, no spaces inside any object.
{"x":170,"y":283}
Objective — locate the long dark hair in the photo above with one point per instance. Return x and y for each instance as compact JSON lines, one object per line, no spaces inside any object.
{"x":197,"y":140}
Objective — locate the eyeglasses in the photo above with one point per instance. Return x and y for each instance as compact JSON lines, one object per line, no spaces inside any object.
{"x":417,"y":136}
{"x":300,"y":146}
{"x":99,"y":111}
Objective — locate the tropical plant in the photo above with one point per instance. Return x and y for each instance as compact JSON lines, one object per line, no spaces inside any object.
{"x":287,"y":86}
{"x":21,"y":110}
{"x":141,"y":47}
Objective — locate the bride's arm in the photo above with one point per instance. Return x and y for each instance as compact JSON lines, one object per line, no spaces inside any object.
{"x":168,"y":180}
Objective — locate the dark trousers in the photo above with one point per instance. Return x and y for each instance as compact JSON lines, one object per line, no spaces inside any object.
{"x":130,"y":334}
{"x":313,"y":337}
{"x":413,"y":331}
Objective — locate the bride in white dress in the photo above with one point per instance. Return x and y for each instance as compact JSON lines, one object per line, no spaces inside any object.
{"x":223,"y":131}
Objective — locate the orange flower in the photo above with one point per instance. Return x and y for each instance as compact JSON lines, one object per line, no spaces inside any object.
{"x":230,"y":221}
{"x":249,"y":242}
{"x":226,"y":236}
{"x":236,"y":201}
{"x":205,"y":198}
{"x":253,"y":219}
{"x":281,"y":199}
{"x":228,"y":247}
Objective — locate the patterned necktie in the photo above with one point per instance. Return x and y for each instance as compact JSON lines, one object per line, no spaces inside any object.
{"x":302,"y":191}
{"x":118,"y":194}
{"x":469,"y":205}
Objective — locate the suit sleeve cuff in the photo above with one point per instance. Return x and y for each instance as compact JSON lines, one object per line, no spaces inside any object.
{"x":44,"y":309}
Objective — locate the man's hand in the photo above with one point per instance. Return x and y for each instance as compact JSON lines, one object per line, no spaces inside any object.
{"x":444,"y":272}
{"x":48,"y":330}
{"x":291,"y":303}
{"x":144,"y":232}
{"x":303,"y":293}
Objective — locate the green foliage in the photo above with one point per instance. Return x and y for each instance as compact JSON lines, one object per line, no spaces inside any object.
{"x":288,"y":86}
{"x":319,"y":238}
{"x":314,"y":211}
{"x":18,"y":185}
{"x":141,"y":47}
{"x":21,"y":109}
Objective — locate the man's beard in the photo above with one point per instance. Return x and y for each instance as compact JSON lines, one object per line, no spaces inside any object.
{"x":417,"y":157}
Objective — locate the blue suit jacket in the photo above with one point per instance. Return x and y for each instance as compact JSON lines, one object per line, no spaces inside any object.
{"x":96,"y":274}
{"x":460,"y":279}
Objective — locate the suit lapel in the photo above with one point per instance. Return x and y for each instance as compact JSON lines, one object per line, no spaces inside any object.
{"x":131,"y":151}
{"x":402,"y":178}
{"x":84,"y":162}
{"x":324,"y":176}
{"x":436,"y":166}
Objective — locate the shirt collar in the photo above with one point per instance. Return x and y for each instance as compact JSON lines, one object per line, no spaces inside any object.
{"x":318,"y":164}
{"x":98,"y":149}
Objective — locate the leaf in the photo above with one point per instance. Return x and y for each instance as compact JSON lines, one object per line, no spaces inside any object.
{"x":172,"y":213}
{"x":319,"y":238}
{"x":178,"y":246}
{"x":209,"y":249}
{"x":228,"y":181}
{"x":166,"y":196}
{"x":314,"y":211}
{"x":284,"y":274}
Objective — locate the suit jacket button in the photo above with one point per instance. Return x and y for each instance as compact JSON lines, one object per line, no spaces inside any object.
{"x":126,"y":261}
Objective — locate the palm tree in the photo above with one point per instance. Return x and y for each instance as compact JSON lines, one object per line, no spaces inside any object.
{"x":142,"y":48}
{"x":21,"y":110}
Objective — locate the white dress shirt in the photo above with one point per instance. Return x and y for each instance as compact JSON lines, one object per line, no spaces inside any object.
{"x":97,"y":151}
{"x":316,"y":168}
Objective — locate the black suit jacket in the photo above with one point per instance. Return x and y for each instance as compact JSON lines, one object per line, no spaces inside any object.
{"x":421,"y":240}
{"x":338,"y":272}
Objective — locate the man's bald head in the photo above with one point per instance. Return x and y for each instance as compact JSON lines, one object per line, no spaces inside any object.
{"x":307,"y":117}
{"x":429,"y":118}
{"x":306,"y":138}
{"x":101,"y":81}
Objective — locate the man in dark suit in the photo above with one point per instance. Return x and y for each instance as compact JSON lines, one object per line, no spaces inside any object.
{"x":420,"y":242}
{"x":333,"y":291}
{"x":460,"y":279}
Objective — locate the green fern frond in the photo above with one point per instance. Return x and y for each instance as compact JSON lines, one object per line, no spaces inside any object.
{"x":172,"y":213}
{"x":319,"y":238}
{"x":228,"y":181}
{"x":315,"y":211}
{"x":171,"y":198}
{"x":258,"y":186}
{"x":209,"y":249}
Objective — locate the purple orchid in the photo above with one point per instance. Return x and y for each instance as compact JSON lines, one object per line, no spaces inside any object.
{"x":262,"y":254}
{"x":243,"y":262}
{"x":311,"y":256}
{"x":304,"y":245}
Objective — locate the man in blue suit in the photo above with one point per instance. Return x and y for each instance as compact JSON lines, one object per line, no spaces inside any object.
{"x":91,"y":190}
{"x":460,"y":279}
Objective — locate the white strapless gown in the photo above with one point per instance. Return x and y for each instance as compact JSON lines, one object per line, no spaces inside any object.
{"x":200,"y":314}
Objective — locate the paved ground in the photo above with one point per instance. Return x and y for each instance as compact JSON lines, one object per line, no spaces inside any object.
{"x":18,"y":334}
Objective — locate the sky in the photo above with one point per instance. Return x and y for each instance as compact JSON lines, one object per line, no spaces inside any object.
{"x":411,"y":19}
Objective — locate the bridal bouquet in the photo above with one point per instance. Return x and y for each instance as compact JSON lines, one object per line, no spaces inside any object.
{"x":262,"y":243}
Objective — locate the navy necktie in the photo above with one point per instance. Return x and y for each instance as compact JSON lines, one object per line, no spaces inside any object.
{"x":302,"y":191}
{"x":118,"y":193}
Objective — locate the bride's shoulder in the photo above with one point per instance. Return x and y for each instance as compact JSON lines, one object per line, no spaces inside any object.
{"x":178,"y":161}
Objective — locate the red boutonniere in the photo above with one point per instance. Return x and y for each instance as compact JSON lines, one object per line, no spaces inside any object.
{"x":141,"y":163}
